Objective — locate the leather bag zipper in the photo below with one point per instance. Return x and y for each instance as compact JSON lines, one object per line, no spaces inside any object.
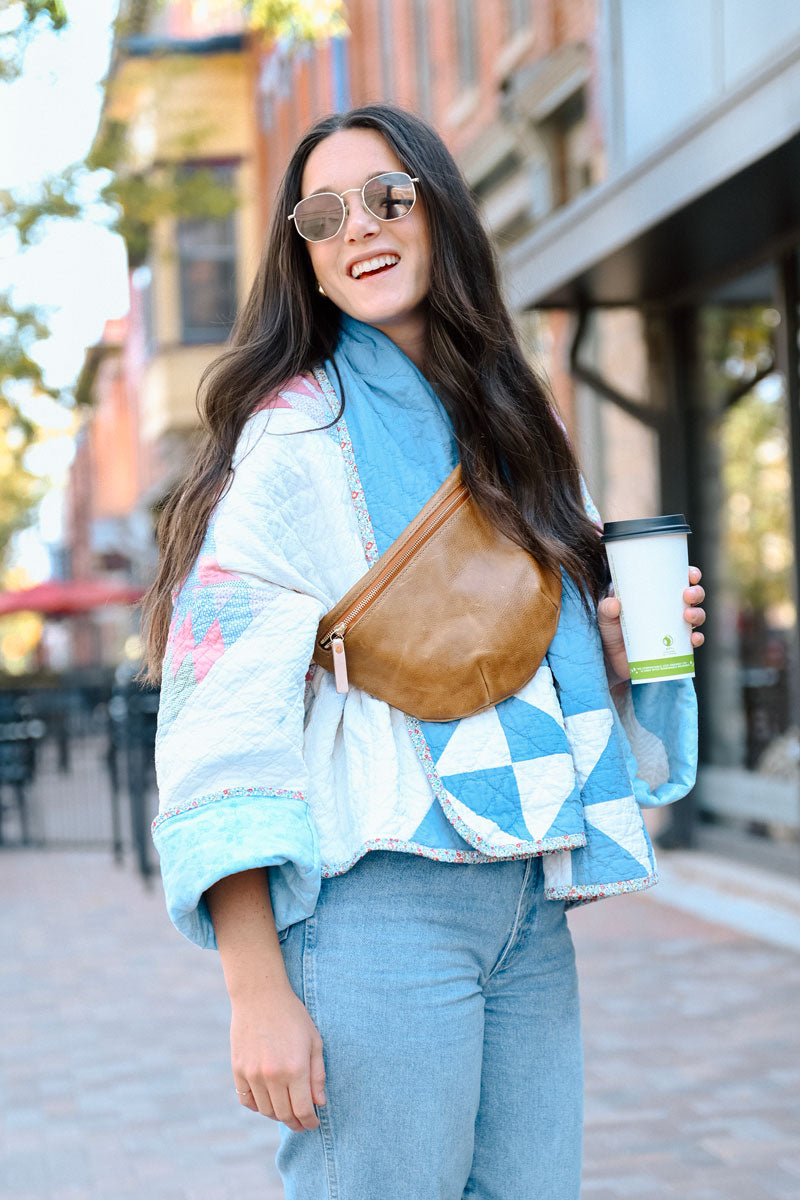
{"x":334,"y":638}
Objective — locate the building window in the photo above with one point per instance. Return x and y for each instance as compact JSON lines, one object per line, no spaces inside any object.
{"x":142,"y":286}
{"x":467,"y":43}
{"x":388,"y":48}
{"x":519,"y":15}
{"x":207,"y":272}
{"x":422,"y":53}
{"x":567,"y":134}
{"x":340,"y":74}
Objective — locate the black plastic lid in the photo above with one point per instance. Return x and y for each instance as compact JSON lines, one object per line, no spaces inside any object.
{"x":645,"y":527}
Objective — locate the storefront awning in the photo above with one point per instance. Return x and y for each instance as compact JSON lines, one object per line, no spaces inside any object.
{"x":67,"y":597}
{"x":723,"y":192}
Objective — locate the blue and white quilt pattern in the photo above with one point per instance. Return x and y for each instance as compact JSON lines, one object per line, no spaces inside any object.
{"x":551,"y":769}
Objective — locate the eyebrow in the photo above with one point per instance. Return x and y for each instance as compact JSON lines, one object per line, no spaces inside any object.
{"x":372,"y":174}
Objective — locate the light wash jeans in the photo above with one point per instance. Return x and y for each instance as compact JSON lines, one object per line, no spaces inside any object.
{"x":446,"y":997}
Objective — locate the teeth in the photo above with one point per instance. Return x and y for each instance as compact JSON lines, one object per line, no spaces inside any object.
{"x":372,"y":264}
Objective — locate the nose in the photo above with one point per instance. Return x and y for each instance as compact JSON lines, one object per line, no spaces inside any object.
{"x":359,"y":222}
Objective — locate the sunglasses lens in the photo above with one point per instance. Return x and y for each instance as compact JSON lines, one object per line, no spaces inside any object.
{"x":390,"y":196}
{"x":319,"y":217}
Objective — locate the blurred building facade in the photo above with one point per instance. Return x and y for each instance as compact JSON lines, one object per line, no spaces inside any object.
{"x":180,"y":92}
{"x":104,"y":527}
{"x":638,"y":167}
{"x":681,"y":273}
{"x":181,"y":87}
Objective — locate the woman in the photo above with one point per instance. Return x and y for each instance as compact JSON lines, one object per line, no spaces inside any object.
{"x":402,"y":980}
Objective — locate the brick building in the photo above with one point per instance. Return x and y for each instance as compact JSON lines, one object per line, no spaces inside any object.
{"x":508,"y":84}
{"x":638,"y":167}
{"x":106,"y":533}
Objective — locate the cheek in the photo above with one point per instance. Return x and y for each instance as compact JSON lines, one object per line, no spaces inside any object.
{"x":319,"y":262}
{"x":423,"y":271}
{"x":422,"y":242}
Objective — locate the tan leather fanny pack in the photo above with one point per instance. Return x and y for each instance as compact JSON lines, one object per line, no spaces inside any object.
{"x":453,"y":618}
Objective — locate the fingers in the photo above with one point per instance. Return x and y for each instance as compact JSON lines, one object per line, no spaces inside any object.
{"x":693,"y":596}
{"x":245,"y":1095}
{"x":291,"y":1104}
{"x":302,"y":1104}
{"x":308,"y":1088}
{"x":278,"y":1068}
{"x":609,"y":608}
{"x":284,"y":1100}
{"x":317,"y":1073}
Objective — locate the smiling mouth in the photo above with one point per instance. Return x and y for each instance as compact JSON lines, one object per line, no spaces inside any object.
{"x":374,"y":266}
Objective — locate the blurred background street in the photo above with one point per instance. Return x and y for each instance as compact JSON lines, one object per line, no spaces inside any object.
{"x":638,"y":168}
{"x":114,"y":1055}
{"x":637,"y":164}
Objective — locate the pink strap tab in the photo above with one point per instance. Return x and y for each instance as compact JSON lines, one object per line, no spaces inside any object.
{"x":339,"y":665}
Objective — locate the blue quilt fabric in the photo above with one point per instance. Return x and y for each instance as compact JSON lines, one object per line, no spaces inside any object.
{"x":552,"y":764}
{"x":404,"y":446}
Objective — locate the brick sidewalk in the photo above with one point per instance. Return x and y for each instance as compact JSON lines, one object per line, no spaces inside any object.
{"x":115,"y":1084}
{"x":692,"y":1065}
{"x":116,"y":1079}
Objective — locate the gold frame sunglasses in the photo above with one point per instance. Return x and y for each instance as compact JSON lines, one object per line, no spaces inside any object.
{"x":314,"y":214}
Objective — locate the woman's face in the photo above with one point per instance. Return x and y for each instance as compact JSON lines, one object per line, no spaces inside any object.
{"x":390,"y":299}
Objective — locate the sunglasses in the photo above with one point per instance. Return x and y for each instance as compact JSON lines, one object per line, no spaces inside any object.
{"x":388,"y":197}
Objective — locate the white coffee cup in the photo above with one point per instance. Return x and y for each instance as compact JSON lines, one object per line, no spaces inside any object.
{"x":649,"y":561}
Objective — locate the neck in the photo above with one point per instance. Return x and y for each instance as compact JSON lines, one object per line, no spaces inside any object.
{"x":409,"y":336}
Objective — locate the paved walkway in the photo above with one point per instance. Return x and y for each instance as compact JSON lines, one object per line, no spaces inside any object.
{"x":115,"y":1085}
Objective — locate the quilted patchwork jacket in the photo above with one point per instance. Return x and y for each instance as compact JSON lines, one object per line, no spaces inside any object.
{"x":261,"y":763}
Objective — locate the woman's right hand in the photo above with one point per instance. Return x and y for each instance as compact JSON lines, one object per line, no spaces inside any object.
{"x":276,"y":1051}
{"x":276,"y":1055}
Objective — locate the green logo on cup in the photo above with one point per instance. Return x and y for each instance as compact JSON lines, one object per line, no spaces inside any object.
{"x":666,"y":640}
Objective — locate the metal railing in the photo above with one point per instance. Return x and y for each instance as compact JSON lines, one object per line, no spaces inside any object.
{"x":76,"y":763}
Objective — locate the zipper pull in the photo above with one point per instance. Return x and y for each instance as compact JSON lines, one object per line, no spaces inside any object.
{"x":339,"y":660}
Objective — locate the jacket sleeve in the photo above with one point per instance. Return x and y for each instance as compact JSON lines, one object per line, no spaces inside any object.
{"x":233,"y":786}
{"x":658,"y":723}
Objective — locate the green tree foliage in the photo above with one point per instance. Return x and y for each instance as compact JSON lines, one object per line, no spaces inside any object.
{"x":21,"y":327}
{"x":21,"y":20}
{"x":758,"y":483}
{"x":131,"y":198}
{"x":25,"y":211}
{"x":297,"y":20}
{"x":26,"y":214}
{"x":750,"y":422}
{"x":20,"y":374}
{"x":141,"y":197}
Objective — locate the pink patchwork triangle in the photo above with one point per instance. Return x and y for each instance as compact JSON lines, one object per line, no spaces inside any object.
{"x":183,"y":644}
{"x":206,"y":652}
{"x":209,"y":571}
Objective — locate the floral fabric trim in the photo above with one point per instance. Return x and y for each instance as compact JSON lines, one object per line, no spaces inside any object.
{"x":432,"y":852}
{"x":588,"y":893}
{"x":406,"y":847}
{"x":356,"y":491}
{"x":227,"y":794}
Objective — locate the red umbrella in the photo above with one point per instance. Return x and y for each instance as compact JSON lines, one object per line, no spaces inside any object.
{"x":65,"y":597}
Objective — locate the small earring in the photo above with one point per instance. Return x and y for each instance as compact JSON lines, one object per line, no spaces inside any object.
{"x":320,"y":289}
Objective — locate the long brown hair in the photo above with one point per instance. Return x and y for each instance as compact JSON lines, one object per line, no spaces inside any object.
{"x":515,"y":456}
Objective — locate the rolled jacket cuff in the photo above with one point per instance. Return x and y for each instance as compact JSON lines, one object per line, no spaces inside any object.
{"x":232,"y":831}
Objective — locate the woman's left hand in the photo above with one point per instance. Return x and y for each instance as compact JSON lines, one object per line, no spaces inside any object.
{"x":608,"y":611}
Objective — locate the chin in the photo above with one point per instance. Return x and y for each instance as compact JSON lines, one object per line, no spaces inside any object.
{"x":389,"y":314}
